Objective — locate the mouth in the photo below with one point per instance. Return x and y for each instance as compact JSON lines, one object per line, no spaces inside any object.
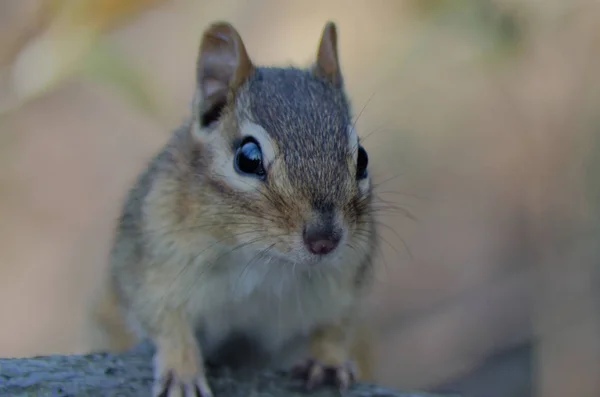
{"x":302,"y":257}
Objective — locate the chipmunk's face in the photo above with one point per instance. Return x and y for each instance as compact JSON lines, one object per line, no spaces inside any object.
{"x":287,"y":161}
{"x":285,"y":164}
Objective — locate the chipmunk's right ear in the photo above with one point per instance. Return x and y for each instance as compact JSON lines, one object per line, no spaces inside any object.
{"x":327,"y":64}
{"x":223,"y":65}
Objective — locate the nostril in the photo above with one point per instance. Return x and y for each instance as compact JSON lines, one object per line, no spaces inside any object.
{"x":320,"y":243}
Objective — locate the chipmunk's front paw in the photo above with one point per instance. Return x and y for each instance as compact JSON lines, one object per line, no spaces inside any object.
{"x":180,"y":378}
{"x":316,"y":373}
{"x":172,"y":384}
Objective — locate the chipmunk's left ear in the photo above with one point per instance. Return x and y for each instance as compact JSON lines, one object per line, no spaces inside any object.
{"x":327,"y":64}
{"x":223,"y":66}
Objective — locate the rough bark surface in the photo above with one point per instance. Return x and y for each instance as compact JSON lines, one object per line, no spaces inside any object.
{"x":130,"y":374}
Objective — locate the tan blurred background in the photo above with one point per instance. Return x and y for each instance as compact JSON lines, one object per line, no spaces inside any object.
{"x":480,"y":117}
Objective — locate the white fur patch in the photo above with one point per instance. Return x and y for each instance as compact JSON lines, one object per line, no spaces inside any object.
{"x":364,"y":184}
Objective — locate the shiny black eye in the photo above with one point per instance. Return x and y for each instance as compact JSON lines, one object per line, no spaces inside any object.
{"x":362,"y":163}
{"x":249,"y":159}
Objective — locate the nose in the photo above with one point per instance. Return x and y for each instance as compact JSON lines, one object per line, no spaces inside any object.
{"x":320,"y":241}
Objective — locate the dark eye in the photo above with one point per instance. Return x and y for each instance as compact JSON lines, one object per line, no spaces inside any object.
{"x":248,"y":158}
{"x":361,"y":163}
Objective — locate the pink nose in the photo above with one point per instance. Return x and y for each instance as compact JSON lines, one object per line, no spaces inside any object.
{"x":320,"y":243}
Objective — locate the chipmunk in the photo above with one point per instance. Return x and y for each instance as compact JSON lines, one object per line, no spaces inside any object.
{"x":248,"y":240}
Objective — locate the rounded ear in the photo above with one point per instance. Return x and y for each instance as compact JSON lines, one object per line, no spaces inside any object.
{"x":327,"y":65}
{"x":223,"y":65}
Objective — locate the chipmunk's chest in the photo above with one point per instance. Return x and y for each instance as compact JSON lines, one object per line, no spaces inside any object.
{"x":264,"y":312}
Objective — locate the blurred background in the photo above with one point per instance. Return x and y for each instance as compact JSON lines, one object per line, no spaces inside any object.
{"x":480,"y":117}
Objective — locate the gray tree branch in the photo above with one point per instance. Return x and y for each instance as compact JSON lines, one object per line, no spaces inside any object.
{"x":130,"y":374}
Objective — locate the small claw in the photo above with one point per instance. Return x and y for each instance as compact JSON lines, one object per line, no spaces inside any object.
{"x":169,"y":385}
{"x":317,"y":374}
{"x":163,"y":385}
{"x":202,"y":390}
{"x":344,"y":378}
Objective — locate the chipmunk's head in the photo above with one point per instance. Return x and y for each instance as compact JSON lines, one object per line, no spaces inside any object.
{"x":281,"y":157}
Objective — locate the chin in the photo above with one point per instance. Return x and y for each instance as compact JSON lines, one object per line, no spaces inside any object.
{"x":303,"y":258}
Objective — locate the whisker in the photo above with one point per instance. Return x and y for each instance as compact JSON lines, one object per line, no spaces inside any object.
{"x":166,"y":231}
{"x":387,"y":180}
{"x":215,"y":261}
{"x":377,"y":247}
{"x":379,"y":129}
{"x":254,"y":258}
{"x":192,"y":261}
{"x":363,"y":109}
{"x":378,"y":194}
{"x":391,"y":229}
{"x":394,"y":211}
{"x":270,"y":198}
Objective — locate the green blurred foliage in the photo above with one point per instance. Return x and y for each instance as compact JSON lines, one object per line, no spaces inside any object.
{"x":106,"y":64}
{"x":502,"y":31}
